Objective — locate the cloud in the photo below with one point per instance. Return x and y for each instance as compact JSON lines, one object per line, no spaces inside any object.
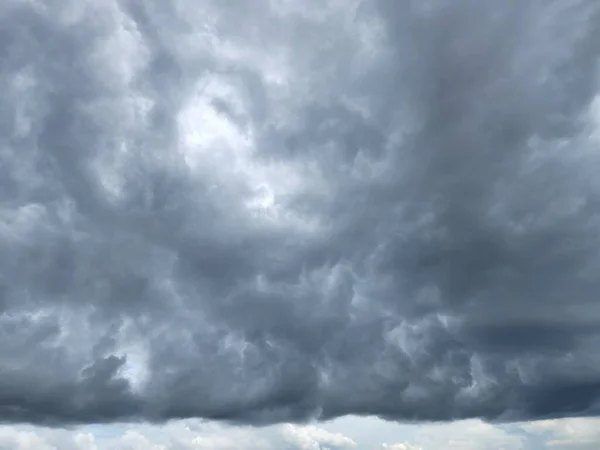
{"x":568,"y":434}
{"x":399,"y":447}
{"x":465,"y":435}
{"x":33,"y":438}
{"x":314,"y":438}
{"x":274,"y":214}
{"x":471,"y":435}
{"x":182,"y":435}
{"x":340,"y":434}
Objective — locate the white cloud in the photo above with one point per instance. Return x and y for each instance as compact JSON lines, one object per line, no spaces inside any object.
{"x":314,"y":438}
{"x":22,"y":440}
{"x":399,"y":447}
{"x":341,"y":434}
{"x":468,"y":435}
{"x":568,"y":434}
{"x":36,"y":438}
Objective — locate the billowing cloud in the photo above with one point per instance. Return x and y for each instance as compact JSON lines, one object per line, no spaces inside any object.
{"x":340,"y":434}
{"x":181,"y":435}
{"x":270,"y":213}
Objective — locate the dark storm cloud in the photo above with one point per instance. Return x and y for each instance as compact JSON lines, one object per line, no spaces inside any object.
{"x":263,"y":214}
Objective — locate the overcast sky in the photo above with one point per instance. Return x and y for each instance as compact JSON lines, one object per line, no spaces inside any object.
{"x":299,"y":224}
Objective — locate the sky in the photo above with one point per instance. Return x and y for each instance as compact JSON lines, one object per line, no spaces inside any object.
{"x":273,"y":224}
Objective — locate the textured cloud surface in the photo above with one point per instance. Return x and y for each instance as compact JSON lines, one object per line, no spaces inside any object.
{"x":349,"y":433}
{"x":269,"y":212}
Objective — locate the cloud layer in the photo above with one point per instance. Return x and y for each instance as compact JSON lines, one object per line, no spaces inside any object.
{"x":342,"y":434}
{"x":270,"y":213}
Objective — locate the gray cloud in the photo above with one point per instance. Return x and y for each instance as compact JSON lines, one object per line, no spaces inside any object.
{"x":272,"y":213}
